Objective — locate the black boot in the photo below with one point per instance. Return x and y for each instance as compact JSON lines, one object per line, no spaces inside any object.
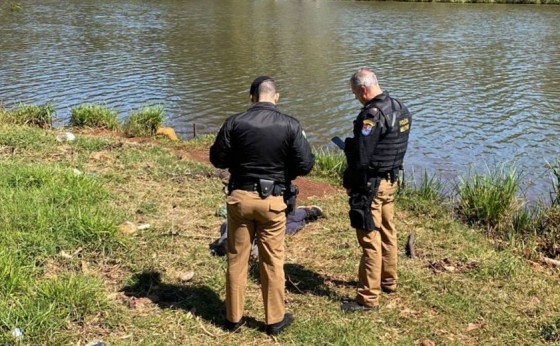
{"x":233,"y":326}
{"x":276,"y":328}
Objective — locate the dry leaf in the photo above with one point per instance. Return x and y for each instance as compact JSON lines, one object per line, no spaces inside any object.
{"x":128,"y":228}
{"x":63,"y":254}
{"x":473,"y":326}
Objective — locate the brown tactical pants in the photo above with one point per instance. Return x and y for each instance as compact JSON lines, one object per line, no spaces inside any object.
{"x":378,"y":265}
{"x":250,"y":216}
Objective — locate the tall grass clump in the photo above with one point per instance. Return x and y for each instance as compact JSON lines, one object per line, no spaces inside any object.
{"x":3,"y":113}
{"x":549,"y":232}
{"x":143,"y":122}
{"x":430,"y":188}
{"x":32,"y":115}
{"x":95,"y":116}
{"x":329,"y":164}
{"x":489,"y":200}
{"x":555,"y":168}
{"x":425,"y":197}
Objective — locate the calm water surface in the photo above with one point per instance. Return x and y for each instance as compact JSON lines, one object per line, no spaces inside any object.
{"x":483,"y":81}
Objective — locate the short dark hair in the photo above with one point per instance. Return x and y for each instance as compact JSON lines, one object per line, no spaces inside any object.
{"x":262,"y":85}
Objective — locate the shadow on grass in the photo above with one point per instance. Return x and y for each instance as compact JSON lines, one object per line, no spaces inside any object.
{"x":200,"y":300}
{"x":300,"y":280}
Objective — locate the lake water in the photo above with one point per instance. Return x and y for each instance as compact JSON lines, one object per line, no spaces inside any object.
{"x":482,"y":80}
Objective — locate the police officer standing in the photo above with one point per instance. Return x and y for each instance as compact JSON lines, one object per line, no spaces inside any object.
{"x":375,"y":155}
{"x":264,"y":151}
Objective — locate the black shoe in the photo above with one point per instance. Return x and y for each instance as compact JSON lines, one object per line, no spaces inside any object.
{"x":388,"y":290}
{"x":276,"y":328}
{"x":233,"y":327}
{"x":354,"y":306}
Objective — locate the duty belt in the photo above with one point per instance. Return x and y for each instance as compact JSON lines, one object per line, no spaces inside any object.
{"x":391,"y":175}
{"x":276,"y":189}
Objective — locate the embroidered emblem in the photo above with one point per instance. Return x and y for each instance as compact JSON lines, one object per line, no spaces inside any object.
{"x":367,"y":127}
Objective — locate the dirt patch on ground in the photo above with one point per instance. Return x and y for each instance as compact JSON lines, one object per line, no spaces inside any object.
{"x":310,"y":188}
{"x":307,"y":188}
{"x":199,"y":155}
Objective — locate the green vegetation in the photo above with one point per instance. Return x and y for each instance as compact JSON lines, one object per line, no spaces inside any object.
{"x":32,"y":115}
{"x":421,"y":197}
{"x":555,"y":169}
{"x":489,"y":200}
{"x":329,"y":165}
{"x":49,"y":212}
{"x":143,"y":122}
{"x":202,"y":142}
{"x":94,"y":116}
{"x":70,"y":275}
{"x":140,"y":123}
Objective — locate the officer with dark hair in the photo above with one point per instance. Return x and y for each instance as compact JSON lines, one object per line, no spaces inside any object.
{"x":264,"y":150}
{"x":375,"y":155}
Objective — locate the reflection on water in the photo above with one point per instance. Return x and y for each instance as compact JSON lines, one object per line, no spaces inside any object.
{"x":483,"y":81}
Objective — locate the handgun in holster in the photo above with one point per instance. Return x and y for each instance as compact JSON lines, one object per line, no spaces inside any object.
{"x":360,"y":206}
{"x":290,"y":196}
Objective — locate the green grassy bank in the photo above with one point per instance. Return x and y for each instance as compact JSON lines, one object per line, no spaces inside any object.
{"x":70,"y":275}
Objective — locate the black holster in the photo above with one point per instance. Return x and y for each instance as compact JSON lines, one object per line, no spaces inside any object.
{"x":360,"y":206}
{"x":290,"y":196}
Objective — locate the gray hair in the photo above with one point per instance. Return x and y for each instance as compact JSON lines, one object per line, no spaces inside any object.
{"x":364,"y":77}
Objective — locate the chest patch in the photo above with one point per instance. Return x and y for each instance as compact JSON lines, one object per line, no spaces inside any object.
{"x":367,"y":127}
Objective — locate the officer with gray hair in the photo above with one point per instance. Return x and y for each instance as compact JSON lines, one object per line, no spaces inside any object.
{"x":374,"y":156}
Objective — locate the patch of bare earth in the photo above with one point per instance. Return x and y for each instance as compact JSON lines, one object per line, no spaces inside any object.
{"x":307,"y":188}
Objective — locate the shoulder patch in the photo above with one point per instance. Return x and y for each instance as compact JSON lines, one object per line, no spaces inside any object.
{"x":367,"y":127}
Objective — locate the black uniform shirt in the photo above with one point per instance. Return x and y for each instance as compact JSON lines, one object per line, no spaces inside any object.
{"x":262,"y":143}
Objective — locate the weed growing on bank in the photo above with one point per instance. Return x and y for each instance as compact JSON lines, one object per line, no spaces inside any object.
{"x":94,"y":116}
{"x":425,"y":197}
{"x":489,"y":200}
{"x":41,"y":116}
{"x":329,"y":165}
{"x":143,"y":122}
{"x":555,"y":169}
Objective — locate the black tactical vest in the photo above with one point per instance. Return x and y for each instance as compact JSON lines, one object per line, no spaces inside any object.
{"x":391,"y":148}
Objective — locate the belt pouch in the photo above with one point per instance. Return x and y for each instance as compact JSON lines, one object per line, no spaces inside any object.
{"x":360,"y":212}
{"x":266,"y":187}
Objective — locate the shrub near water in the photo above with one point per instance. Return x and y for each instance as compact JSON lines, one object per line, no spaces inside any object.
{"x":143,"y":122}
{"x":96,"y":116}
{"x":32,"y":115}
{"x":330,"y":165}
{"x":45,"y":210}
{"x":555,"y":168}
{"x":489,"y":200}
{"x":425,"y":197}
